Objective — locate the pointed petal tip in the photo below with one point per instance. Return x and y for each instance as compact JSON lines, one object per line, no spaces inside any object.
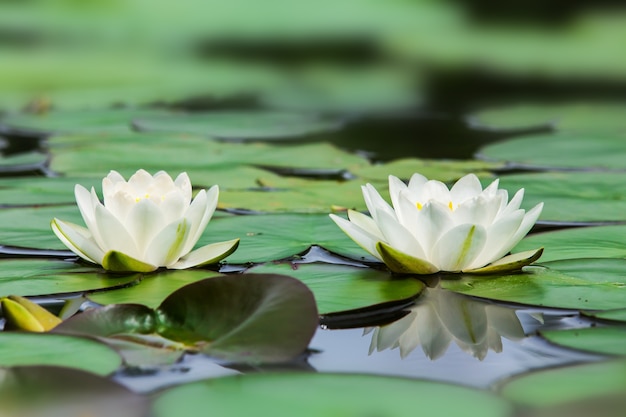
{"x":511,"y":263}
{"x":207,"y":255}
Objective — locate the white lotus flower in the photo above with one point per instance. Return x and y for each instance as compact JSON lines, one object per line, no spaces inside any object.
{"x":431,"y":228}
{"x":145,"y":223}
{"x":441,"y":317}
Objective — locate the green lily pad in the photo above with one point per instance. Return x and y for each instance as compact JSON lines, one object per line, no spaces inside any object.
{"x":35,"y":391}
{"x":96,"y":155}
{"x":153,"y":288}
{"x":17,"y":348}
{"x":22,"y":162}
{"x":30,"y":227}
{"x":602,"y":340}
{"x":572,"y":196}
{"x":445,"y":171}
{"x":42,"y":191}
{"x":81,"y":121}
{"x":568,"y":385}
{"x":582,"y":150}
{"x":618,"y":314}
{"x":584,"y":242}
{"x":577,"y":116}
{"x":339,"y":288}
{"x":582,"y":284}
{"x":300,"y":394}
{"x":239,"y":125}
{"x":28,"y":277}
{"x":242,"y":318}
{"x":270,"y":237}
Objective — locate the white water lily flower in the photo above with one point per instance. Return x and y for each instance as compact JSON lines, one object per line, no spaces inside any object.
{"x":145,"y":223}
{"x":441,"y":317}
{"x":431,"y":228}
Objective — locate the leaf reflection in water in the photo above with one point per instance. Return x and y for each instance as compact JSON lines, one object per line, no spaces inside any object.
{"x":440,"y":317}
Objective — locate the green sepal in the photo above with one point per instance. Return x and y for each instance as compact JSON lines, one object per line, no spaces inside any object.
{"x":401,"y":263}
{"x":119,"y":262}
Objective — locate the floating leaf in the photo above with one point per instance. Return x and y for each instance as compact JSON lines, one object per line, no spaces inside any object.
{"x":17,"y":348}
{"x":153,"y":288}
{"x":341,"y":288}
{"x":27,"y":277}
{"x":277,"y":236}
{"x":571,"y":384}
{"x":45,"y":391}
{"x":611,"y":315}
{"x":242,"y":318}
{"x":239,"y":125}
{"x":42,"y":191}
{"x":313,"y":394}
{"x":572,"y":196}
{"x":581,"y":150}
{"x":584,"y":284}
{"x":602,"y":340}
{"x":22,"y":162}
{"x":584,"y":242}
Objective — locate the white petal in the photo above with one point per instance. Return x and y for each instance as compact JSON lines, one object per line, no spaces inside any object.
{"x":375,"y":202}
{"x":407,"y":212}
{"x":199,"y":214}
{"x":416,"y":182}
{"x":530,"y":218}
{"x":85,"y":204}
{"x":505,"y":322}
{"x":434,"y":190}
{"x":433,"y":336}
{"x":477,"y":210}
{"x":458,"y":247}
{"x":173,"y":206}
{"x":432,"y":221}
{"x":499,"y":235}
{"x":388,"y":335}
{"x":113,"y":234}
{"x":109,"y":184}
{"x":206,"y":255}
{"x":167,"y":246}
{"x":78,"y":240}
{"x":140,"y":181}
{"x":144,"y":222}
{"x":184,"y":184}
{"x":492,"y":189}
{"x":398,"y":237}
{"x":514,"y":204}
{"x":161,"y":184}
{"x":465,"y":188}
{"x":366,"y":223}
{"x":396,"y":186}
{"x":362,"y":238}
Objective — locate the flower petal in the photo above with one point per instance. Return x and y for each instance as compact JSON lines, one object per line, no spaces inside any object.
{"x":514,"y":262}
{"x":416,"y":182}
{"x":401,"y":263}
{"x":361,"y":237}
{"x":144,"y":222}
{"x":464,"y":318}
{"x":398,"y":236}
{"x":199,"y":214}
{"x":375,"y":203}
{"x":113,"y":234}
{"x":530,"y":218}
{"x":465,"y":188}
{"x":206,"y":255}
{"x":498,"y":237}
{"x":167,"y":246}
{"x":183,"y":183}
{"x":140,"y":181}
{"x":396,"y":186}
{"x":366,"y":223}
{"x":120,"y":262}
{"x":78,"y":240}
{"x":433,"y":336}
{"x":458,"y":247}
{"x":432,"y":221}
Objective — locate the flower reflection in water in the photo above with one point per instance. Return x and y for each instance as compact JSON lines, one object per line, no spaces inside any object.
{"x":440,"y":317}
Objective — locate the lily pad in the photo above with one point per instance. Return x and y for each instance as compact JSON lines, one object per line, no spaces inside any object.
{"x":240,"y":125}
{"x":28,"y":277}
{"x":570,"y":384}
{"x":572,"y":196}
{"x":270,"y":237}
{"x":582,"y":284}
{"x":22,"y":162}
{"x":584,"y":242}
{"x":618,"y":315}
{"x":299,"y":394}
{"x":576,"y":116}
{"x":602,"y":340}
{"x":18,"y":349}
{"x":42,"y":191}
{"x":241,"y":318}
{"x":153,"y":288}
{"x":340,"y":288}
{"x":35,"y":391}
{"x":97,"y":155}
{"x":580,"y":150}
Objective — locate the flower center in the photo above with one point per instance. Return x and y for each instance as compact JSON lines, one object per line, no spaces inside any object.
{"x":450,"y":205}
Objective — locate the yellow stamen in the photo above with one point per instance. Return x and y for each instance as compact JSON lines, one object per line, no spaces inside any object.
{"x":450,"y":205}
{"x":419,"y":206}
